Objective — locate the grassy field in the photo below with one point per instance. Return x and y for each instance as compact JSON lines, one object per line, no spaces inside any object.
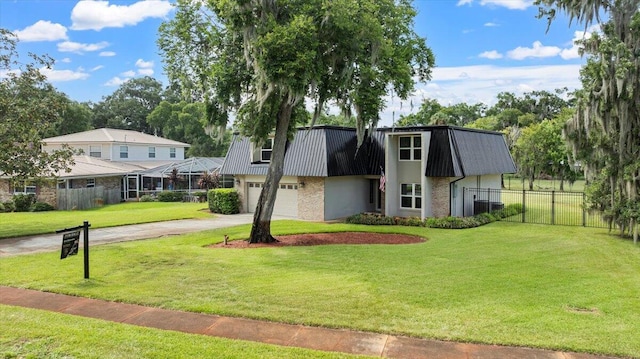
{"x":515,"y":183}
{"x":563,"y":288}
{"x":17,"y":224}
{"x":29,"y":333}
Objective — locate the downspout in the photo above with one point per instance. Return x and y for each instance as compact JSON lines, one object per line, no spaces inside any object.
{"x":454,"y":146}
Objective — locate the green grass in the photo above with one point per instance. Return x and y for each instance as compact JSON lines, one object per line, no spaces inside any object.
{"x":515,"y":183}
{"x":17,"y":224}
{"x":29,"y":333}
{"x":555,"y":287}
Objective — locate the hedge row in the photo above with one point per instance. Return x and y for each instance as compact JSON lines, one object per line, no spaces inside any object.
{"x":444,"y":222}
{"x":224,"y":201}
{"x":24,"y":203}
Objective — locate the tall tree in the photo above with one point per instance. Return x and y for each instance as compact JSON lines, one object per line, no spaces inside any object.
{"x":307,"y":48}
{"x":129,"y":105}
{"x":29,"y":108}
{"x":605,"y":132}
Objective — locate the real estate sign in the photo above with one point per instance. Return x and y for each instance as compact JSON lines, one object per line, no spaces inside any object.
{"x":70,"y":244}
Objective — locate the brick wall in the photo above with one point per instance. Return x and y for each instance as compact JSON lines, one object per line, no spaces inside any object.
{"x":440,"y":197}
{"x":311,"y":198}
{"x":47,"y":193}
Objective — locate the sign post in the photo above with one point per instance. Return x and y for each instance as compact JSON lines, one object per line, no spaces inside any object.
{"x":70,"y":244}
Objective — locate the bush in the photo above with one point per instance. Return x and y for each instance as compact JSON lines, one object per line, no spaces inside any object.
{"x":9,"y":206}
{"x":41,"y":207}
{"x":1,"y":208}
{"x":202,"y":196}
{"x":147,"y":198}
{"x":370,"y":219}
{"x":23,"y":202}
{"x":409,"y":221}
{"x":224,"y":201}
{"x":170,"y":196}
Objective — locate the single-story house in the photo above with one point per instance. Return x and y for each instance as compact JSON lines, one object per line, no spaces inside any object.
{"x":402,"y":171}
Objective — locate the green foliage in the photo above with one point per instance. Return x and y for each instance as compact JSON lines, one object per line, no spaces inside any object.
{"x":23,"y":202}
{"x":170,"y":196}
{"x":209,"y":181}
{"x":371,"y":219}
{"x":2,"y":209}
{"x":40,"y":207}
{"x":147,"y":198}
{"x":201,"y":195}
{"x":30,"y":107}
{"x":9,"y":206}
{"x":224,"y":201}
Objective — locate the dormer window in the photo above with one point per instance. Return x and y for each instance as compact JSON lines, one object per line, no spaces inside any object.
{"x":262,"y":154}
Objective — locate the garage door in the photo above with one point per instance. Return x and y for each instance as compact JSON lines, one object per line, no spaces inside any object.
{"x":286,"y":200}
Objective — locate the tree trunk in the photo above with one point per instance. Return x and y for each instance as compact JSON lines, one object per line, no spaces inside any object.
{"x":261,"y":228}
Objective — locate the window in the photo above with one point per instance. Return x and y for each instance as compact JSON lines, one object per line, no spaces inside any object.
{"x":124,"y":151}
{"x":410,"y":148}
{"x":411,"y":195}
{"x":95,"y":151}
{"x":152,"y":152}
{"x":172,"y":152}
{"x":91,"y":182}
{"x":265,"y":151}
{"x":25,"y":188}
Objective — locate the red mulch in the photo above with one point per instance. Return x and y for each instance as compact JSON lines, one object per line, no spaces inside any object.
{"x":316,"y":239}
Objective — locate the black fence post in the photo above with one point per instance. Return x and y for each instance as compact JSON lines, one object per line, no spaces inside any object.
{"x":524,"y":200}
{"x":553,"y":207}
{"x":584,"y":210}
{"x":86,"y":249}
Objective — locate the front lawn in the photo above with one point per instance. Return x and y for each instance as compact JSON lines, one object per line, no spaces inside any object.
{"x":555,"y":287}
{"x":18,"y":224}
{"x":30,"y":333}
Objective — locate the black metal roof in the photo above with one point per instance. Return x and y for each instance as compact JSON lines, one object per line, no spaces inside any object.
{"x":321,"y":151}
{"x":325,"y":151}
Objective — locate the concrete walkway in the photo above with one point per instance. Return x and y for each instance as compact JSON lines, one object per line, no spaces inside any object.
{"x":52,"y":242}
{"x":335,"y":340}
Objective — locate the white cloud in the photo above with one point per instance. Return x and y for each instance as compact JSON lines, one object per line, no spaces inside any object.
{"x":116,"y":81}
{"x":491,"y":55}
{"x":42,"y":31}
{"x":66,"y":60}
{"x":538,"y":50}
{"x":491,"y":24}
{"x":97,"y":68}
{"x":573,"y":52}
{"x":97,"y":15}
{"x":145,"y":72}
{"x":79,"y":48}
{"x":128,"y":73}
{"x":509,"y":4}
{"x":107,"y":54}
{"x":144,"y":64}
{"x":64,"y":75}
{"x":481,"y":84}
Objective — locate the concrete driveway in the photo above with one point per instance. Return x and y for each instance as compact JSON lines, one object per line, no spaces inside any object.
{"x":52,"y":242}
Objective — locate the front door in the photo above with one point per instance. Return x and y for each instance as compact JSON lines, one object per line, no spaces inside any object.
{"x":132,"y":187}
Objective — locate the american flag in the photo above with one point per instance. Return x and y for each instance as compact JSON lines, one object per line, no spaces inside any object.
{"x":383,"y":180}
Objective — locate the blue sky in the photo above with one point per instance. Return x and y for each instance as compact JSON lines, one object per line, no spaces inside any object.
{"x":482,"y":47}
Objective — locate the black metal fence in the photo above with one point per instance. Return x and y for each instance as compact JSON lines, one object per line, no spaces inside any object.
{"x":542,"y":207}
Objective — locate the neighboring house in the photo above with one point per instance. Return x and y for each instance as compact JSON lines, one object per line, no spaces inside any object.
{"x":325,"y":177}
{"x":125,"y":162}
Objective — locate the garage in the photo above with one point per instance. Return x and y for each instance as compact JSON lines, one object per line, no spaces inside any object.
{"x":286,"y":200}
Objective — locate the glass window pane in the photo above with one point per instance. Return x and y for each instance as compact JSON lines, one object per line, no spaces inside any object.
{"x":266,"y":155}
{"x":406,"y":189}
{"x":417,"y":154}
{"x":405,"y":154}
{"x":405,"y":141}
{"x":405,"y":202}
{"x":418,"y":202}
{"x":418,"y":188}
{"x":417,"y":142}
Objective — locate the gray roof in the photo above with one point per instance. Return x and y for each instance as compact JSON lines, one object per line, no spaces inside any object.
{"x":112,"y":135}
{"x":321,"y":151}
{"x":193,"y":165}
{"x":326,"y":151}
{"x":457,"y":151}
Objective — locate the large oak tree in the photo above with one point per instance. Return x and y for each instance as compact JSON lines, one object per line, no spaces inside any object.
{"x":265,"y":57}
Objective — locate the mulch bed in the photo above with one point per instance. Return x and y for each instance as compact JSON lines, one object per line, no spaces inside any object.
{"x":317,"y":239}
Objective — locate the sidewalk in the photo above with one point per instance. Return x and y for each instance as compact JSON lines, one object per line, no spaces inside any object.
{"x":335,"y":340}
{"x":52,"y":242}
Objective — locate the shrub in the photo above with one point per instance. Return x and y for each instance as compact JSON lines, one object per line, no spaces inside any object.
{"x":409,"y":221}
{"x":202,"y":196}
{"x":170,"y":196}
{"x":41,"y":207}
{"x":224,"y":201}
{"x":147,"y":198}
{"x":9,"y":206}
{"x":23,"y":202}
{"x":370,"y":219}
{"x":2,"y":207}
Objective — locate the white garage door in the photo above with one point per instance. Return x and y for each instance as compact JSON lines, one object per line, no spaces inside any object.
{"x":286,"y":200}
